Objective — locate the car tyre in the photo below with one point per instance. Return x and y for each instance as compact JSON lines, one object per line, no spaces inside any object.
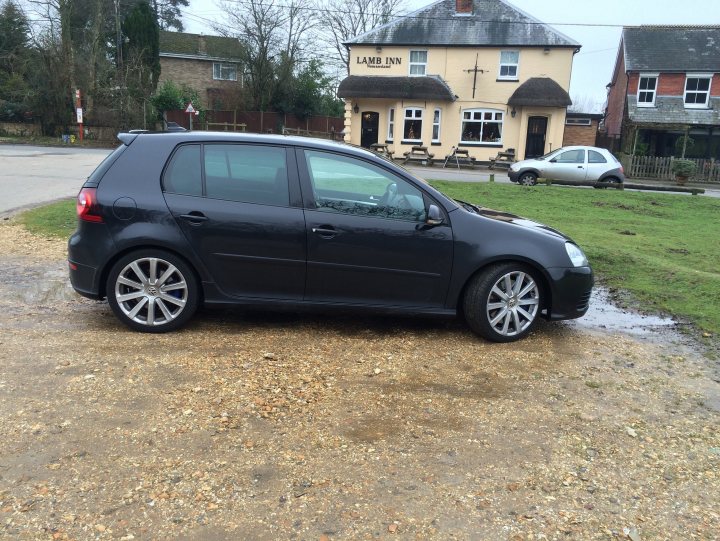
{"x":152,"y":291}
{"x":527,"y":178}
{"x":503,"y":303}
{"x":609,"y":180}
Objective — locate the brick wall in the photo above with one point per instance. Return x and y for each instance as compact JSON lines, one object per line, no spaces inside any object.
{"x":670,"y":84}
{"x":197,"y":74}
{"x":616,"y":98}
{"x":580,"y":135}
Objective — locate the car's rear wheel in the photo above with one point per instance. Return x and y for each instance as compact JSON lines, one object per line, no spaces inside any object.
{"x":528,"y":179}
{"x":503,"y":303}
{"x":152,"y":291}
{"x":609,"y":180}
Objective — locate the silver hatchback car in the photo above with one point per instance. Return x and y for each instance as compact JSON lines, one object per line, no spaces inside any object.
{"x":574,"y":163}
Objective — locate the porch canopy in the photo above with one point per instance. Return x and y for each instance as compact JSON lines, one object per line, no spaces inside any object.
{"x":408,"y":88}
{"x":540,"y":92}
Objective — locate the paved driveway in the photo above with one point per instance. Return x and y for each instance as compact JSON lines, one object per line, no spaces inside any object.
{"x":32,"y":175}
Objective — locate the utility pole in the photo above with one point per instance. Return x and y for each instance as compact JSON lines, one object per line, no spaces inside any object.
{"x":475,"y":71}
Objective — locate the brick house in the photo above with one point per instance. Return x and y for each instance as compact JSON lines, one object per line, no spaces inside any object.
{"x":480,"y":75}
{"x":211,"y":65}
{"x":666,"y":84}
{"x":581,"y":128}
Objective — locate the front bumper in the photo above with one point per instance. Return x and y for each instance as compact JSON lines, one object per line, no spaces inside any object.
{"x":513,"y":175}
{"x":571,"y":289}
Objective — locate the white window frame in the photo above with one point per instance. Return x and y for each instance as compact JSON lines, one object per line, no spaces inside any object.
{"x":482,"y":120}
{"x":655,"y":76}
{"x":218,"y":71}
{"x":688,"y":76}
{"x":412,"y":64}
{"x":437,"y":112}
{"x":578,"y":121}
{"x":414,"y":118}
{"x":391,"y":124}
{"x":509,"y":64}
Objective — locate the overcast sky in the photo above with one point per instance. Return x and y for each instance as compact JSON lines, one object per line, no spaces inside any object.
{"x":593,"y":65}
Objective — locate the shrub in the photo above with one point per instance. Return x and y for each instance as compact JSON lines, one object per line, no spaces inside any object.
{"x":684,"y":168}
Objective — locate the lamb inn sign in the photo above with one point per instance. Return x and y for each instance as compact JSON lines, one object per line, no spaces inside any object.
{"x":378,"y":61}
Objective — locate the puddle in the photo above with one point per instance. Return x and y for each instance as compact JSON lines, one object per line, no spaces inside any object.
{"x":605,"y":315}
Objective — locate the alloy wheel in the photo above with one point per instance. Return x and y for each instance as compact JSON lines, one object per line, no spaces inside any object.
{"x":513,"y":303}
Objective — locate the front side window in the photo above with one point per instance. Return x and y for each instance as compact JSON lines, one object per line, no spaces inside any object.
{"x":391,"y":124}
{"x":697,"y":90}
{"x":436,"y":126}
{"x":247,"y":173}
{"x":418,"y":62}
{"x":224,"y":72}
{"x":482,"y":126}
{"x":412,"y":128}
{"x":571,"y":156}
{"x":346,"y":185}
{"x":509,"y":65}
{"x":183,"y":174}
{"x":647,"y":88}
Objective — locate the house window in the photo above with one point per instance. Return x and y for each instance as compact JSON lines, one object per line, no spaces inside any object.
{"x":436,"y":126}
{"x":412,"y":130}
{"x":578,"y":121}
{"x":697,"y":90}
{"x":391,"y":124}
{"x":418,"y":62}
{"x":482,"y":126}
{"x":224,"y":72}
{"x":646,"y":90}
{"x":509,"y":65}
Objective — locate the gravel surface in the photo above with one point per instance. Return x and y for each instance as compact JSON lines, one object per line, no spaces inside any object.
{"x":284,"y":426}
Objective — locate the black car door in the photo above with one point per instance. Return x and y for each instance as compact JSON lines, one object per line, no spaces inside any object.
{"x":244,"y":220}
{"x":367,"y":238}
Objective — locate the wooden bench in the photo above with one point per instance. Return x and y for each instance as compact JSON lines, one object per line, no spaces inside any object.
{"x":418,"y":154}
{"x":505,"y":157}
{"x":382,"y":149}
{"x":461,"y":156}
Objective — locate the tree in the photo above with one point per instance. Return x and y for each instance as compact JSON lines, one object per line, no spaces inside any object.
{"x":15,"y":56}
{"x":168,"y":13}
{"x":314,"y":94}
{"x":141,"y":49}
{"x":345,"y":19}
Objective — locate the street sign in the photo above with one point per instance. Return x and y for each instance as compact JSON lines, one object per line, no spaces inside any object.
{"x":190,"y":108}
{"x":79,"y":113}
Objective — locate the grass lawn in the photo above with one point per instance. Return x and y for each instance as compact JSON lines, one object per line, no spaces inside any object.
{"x":663,"y":249}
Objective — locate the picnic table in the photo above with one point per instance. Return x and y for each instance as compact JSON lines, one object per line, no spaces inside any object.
{"x":418,"y":154}
{"x":460,"y":155}
{"x":505,"y":157}
{"x":382,"y":149}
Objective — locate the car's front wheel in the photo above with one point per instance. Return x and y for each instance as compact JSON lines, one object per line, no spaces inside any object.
{"x":152,"y":291}
{"x":527,"y":179}
{"x":503,"y":303}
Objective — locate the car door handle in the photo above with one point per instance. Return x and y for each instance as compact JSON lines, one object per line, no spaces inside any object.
{"x":194,"y":217}
{"x":325,"y":232}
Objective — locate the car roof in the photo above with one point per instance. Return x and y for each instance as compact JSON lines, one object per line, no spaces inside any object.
{"x":261,"y":138}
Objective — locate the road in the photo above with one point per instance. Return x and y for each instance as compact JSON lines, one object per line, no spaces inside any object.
{"x":32,"y":175}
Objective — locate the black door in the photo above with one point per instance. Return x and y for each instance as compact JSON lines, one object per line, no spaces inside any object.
{"x":369,"y":128}
{"x":366,"y":240}
{"x":535,"y":145}
{"x":243,"y":228}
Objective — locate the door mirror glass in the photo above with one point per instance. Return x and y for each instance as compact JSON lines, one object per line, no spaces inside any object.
{"x":434,"y":216}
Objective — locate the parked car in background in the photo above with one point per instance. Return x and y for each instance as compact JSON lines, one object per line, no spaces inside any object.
{"x":173,"y":220}
{"x":573,"y":163}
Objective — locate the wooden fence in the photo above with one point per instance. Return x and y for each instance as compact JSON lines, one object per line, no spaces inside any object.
{"x":661,"y":169}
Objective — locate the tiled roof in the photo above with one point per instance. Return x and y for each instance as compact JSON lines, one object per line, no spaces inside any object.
{"x":377,"y":86}
{"x":671,"y":110}
{"x":672,"y":48}
{"x":540,"y":92}
{"x":184,"y":44}
{"x":492,"y":23}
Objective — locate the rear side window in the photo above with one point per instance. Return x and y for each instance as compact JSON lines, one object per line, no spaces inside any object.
{"x":100,"y":170}
{"x":596,"y":157}
{"x":247,"y":173}
{"x":183,"y":174}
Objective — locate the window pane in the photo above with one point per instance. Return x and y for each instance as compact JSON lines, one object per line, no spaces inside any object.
{"x":596,"y":157}
{"x":183,"y":174}
{"x":392,"y":115}
{"x":351,"y":186}
{"x":572,"y":156}
{"x":436,"y":116}
{"x":436,"y":132}
{"x":485,"y":127}
{"x":509,"y":57}
{"x":703,"y":84}
{"x":247,"y":173}
{"x":413,"y":129}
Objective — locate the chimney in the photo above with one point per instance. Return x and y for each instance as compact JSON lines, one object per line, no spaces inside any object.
{"x":202,"y":45}
{"x":463,"y":7}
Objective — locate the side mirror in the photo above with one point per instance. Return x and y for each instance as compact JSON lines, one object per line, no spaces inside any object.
{"x":434,"y":216}
{"x":554,"y":160}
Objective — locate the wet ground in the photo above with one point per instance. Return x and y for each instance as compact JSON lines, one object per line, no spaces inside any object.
{"x":284,"y":426}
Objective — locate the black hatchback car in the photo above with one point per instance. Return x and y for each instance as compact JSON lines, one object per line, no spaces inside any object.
{"x":172,"y":220}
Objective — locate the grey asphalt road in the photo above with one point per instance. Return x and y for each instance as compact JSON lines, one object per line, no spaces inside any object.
{"x":32,"y":175}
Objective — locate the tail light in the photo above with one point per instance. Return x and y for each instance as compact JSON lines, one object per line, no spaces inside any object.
{"x":87,"y":207}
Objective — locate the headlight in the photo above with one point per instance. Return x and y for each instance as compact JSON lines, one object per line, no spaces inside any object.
{"x":576,"y":255}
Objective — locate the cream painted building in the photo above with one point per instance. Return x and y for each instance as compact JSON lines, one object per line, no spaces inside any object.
{"x":478,"y":75}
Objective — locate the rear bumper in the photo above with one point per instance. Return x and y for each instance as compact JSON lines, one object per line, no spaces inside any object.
{"x":571,"y":289}
{"x":89,"y":250}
